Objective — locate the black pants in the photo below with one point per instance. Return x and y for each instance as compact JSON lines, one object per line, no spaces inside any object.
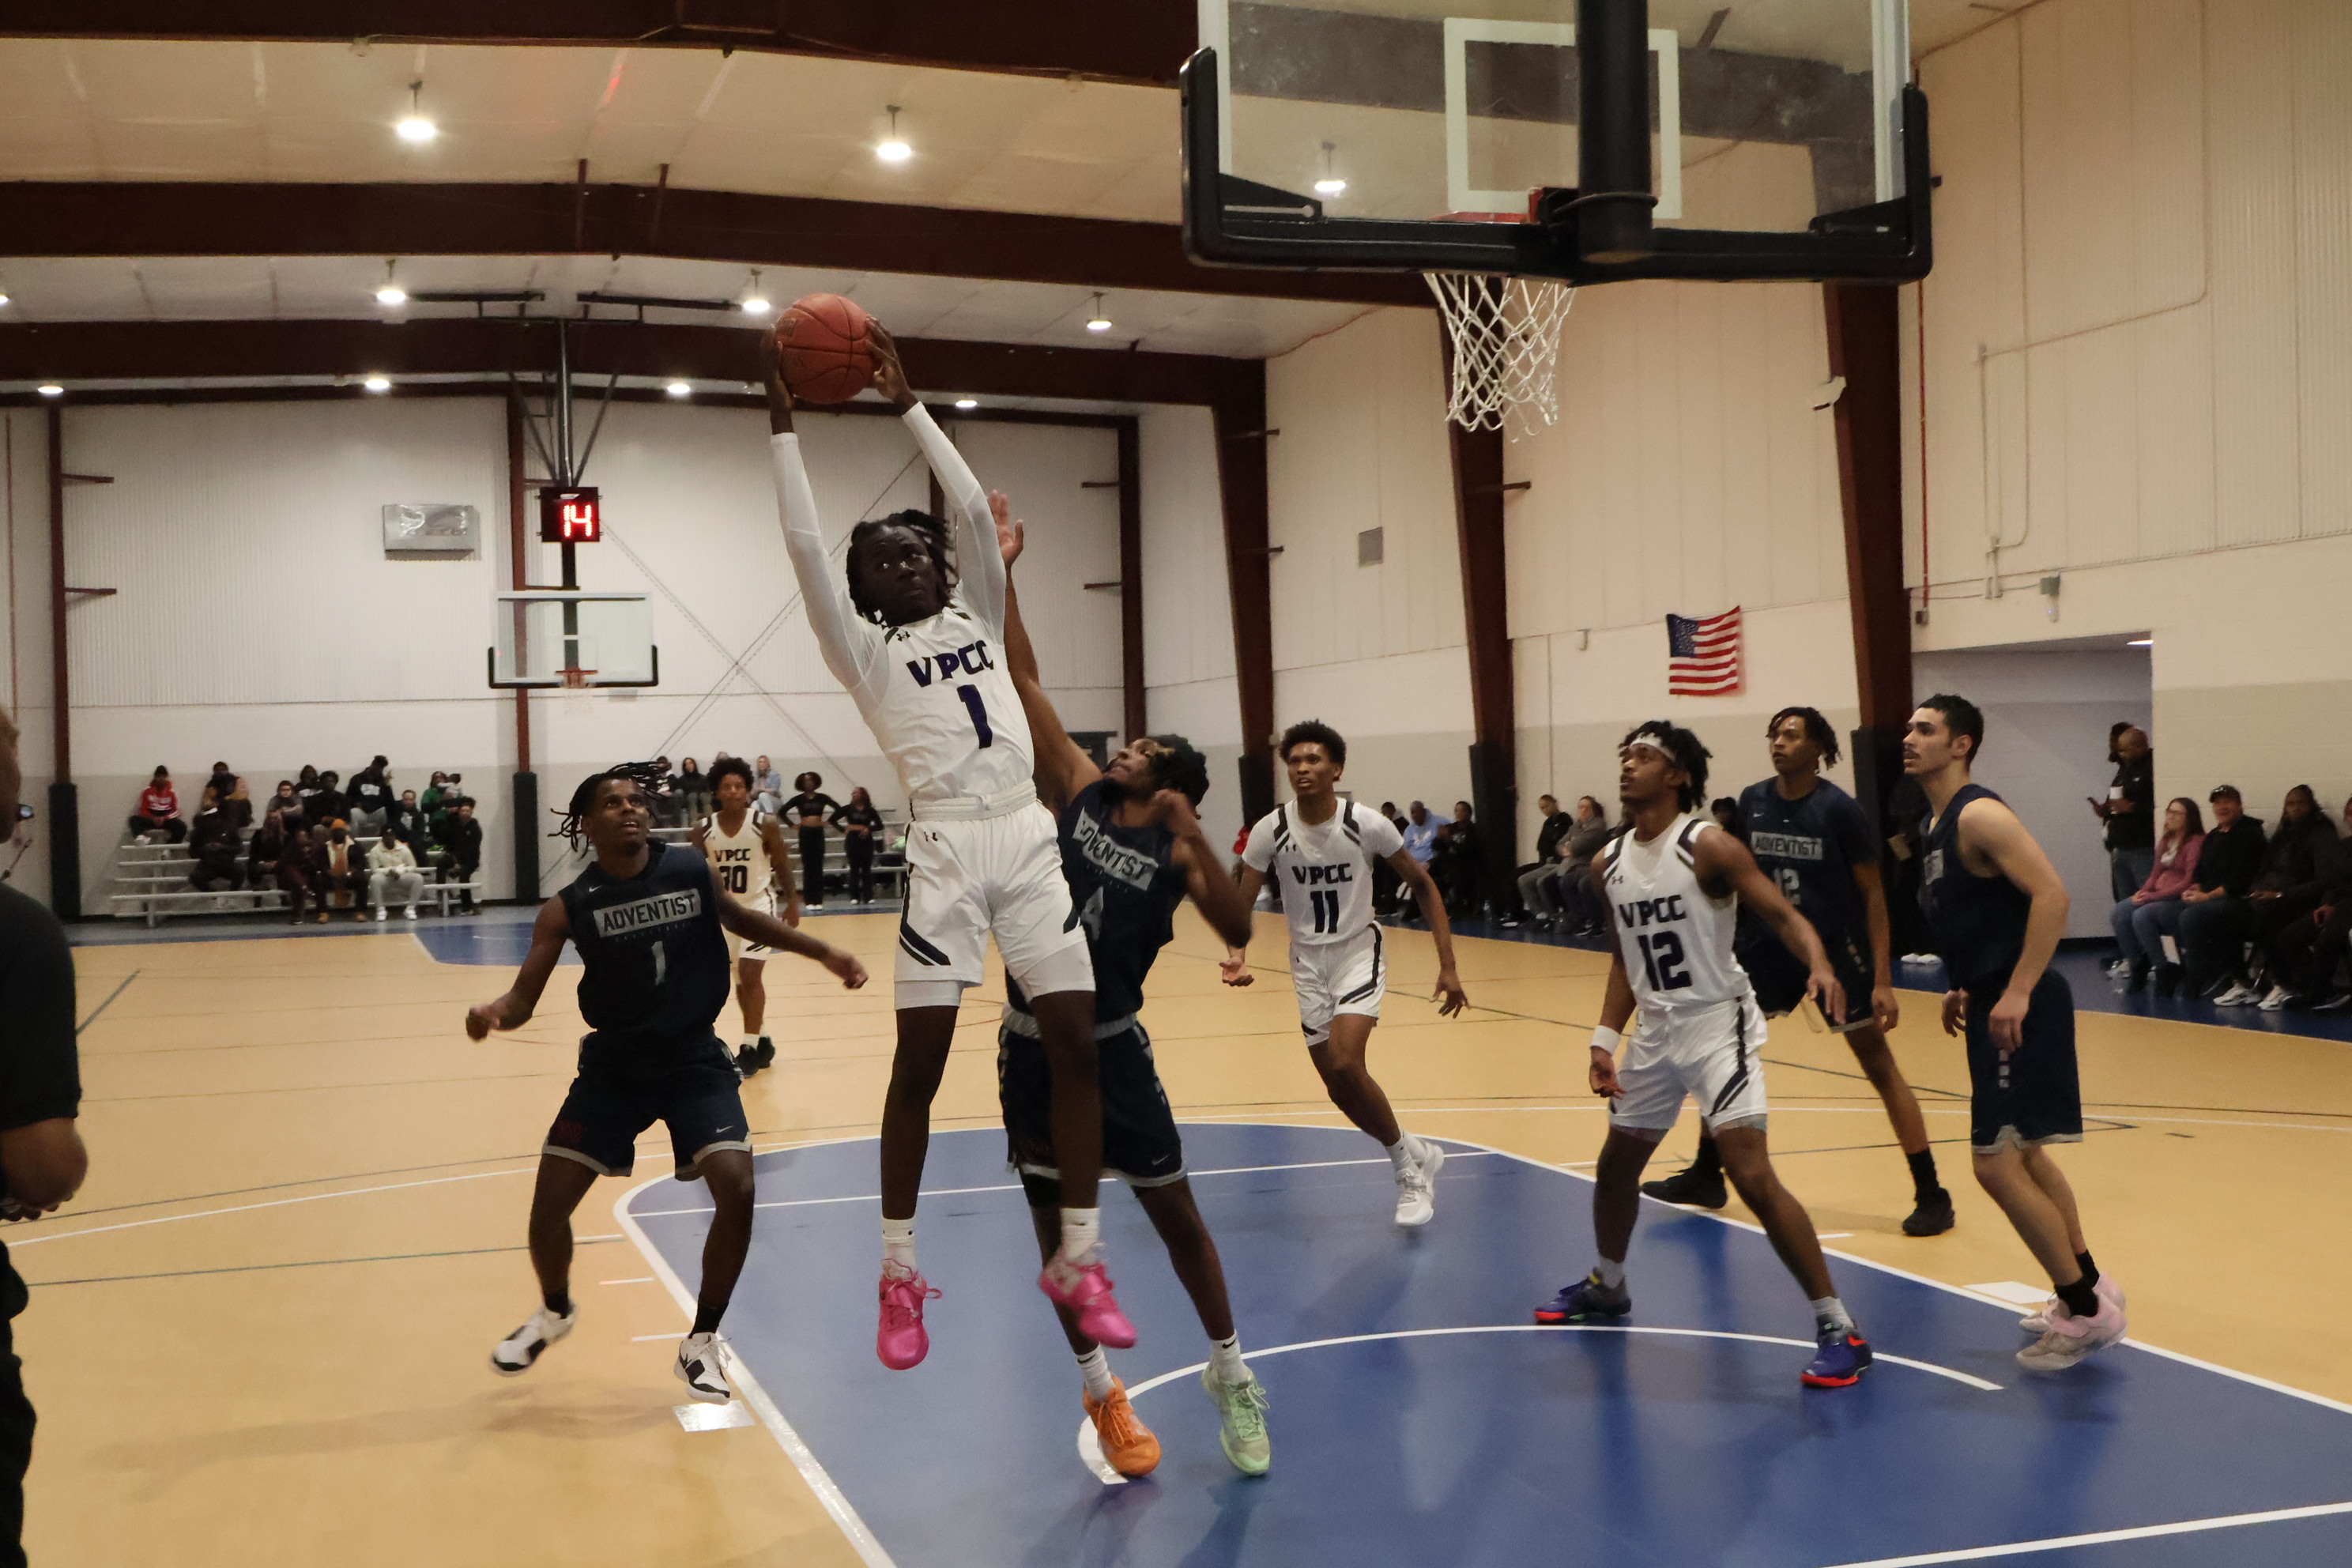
{"x":452,"y":869}
{"x":231,"y":878}
{"x":15,"y":1447}
{"x":859,"y":848}
{"x":812,"y":865}
{"x":2304,"y":952}
{"x":173,"y":829}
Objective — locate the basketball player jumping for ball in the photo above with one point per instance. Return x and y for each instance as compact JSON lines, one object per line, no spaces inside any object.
{"x":1812,"y":839}
{"x":918,"y":652}
{"x":746,"y":848}
{"x":1132,"y":849}
{"x":1672,"y":886}
{"x":651,"y":926}
{"x":1996,"y":908}
{"x":1321,"y":850}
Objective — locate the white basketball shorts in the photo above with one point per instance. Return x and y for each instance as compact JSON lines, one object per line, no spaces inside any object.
{"x":742,"y":947}
{"x":1714,"y":1054}
{"x":1337,"y":977}
{"x":967,"y":879}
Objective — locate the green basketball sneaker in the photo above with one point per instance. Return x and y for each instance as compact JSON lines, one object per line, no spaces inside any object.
{"x":1241,"y":1430}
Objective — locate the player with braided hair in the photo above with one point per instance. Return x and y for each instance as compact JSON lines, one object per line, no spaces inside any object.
{"x":918,"y":639}
{"x":651,"y":925}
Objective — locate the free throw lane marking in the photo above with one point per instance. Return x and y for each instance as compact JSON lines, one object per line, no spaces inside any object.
{"x":2105,"y":1537}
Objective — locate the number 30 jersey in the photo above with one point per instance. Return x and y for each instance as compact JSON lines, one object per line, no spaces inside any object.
{"x":740,"y":857}
{"x":1325,"y":870}
{"x":1675,"y":937}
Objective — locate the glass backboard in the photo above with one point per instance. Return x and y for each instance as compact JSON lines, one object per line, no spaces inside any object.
{"x":1377,"y":132}
{"x":558,"y":638}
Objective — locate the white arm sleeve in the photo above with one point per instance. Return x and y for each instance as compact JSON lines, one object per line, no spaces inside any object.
{"x":849,"y":644}
{"x":980,"y":566}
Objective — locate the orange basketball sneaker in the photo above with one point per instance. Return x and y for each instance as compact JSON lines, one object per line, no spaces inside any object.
{"x":1127,"y":1443}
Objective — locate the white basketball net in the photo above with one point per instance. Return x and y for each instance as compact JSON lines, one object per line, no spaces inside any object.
{"x":1506,"y":333}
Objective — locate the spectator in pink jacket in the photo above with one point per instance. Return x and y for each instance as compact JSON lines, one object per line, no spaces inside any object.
{"x":2143,"y":920}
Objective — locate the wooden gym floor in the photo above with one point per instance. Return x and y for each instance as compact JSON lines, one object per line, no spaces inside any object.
{"x":259,"y":1335}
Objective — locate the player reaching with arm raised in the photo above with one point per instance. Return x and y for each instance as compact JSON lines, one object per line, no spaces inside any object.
{"x":914,"y":634}
{"x":1996,"y":908}
{"x":1132,"y":847}
{"x":1322,"y":850}
{"x":1671,"y":890}
{"x":651,"y":925}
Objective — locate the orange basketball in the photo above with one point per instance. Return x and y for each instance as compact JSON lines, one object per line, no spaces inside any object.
{"x":825,"y":346}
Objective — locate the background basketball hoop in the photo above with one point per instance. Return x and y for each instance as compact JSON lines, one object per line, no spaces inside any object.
{"x":574,"y":678}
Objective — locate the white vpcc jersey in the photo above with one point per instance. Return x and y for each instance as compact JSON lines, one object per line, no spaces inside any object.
{"x":945,"y":712}
{"x":1325,"y":870}
{"x":1675,"y":937}
{"x":739,"y":859}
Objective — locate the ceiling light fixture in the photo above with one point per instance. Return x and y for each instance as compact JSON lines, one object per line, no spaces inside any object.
{"x":966,"y":402}
{"x":895,"y":150}
{"x":50,"y":389}
{"x":414,"y":127}
{"x":2141,"y":642}
{"x":1099,"y":323}
{"x":4,"y":295}
{"x":1331,"y":184}
{"x":390,"y":292}
{"x":753,"y":302}
{"x":679,"y":389}
{"x":378,"y":381}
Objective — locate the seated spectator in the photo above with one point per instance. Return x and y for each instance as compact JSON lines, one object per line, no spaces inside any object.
{"x":768,"y":786}
{"x":278,"y":858}
{"x":214,"y":841}
{"x":1467,"y":890}
{"x":284,"y":803}
{"x":391,"y":870}
{"x":2304,"y":957}
{"x":366,"y":800}
{"x":2213,"y":905}
{"x":230,"y":791}
{"x":2153,"y":912}
{"x":430,"y":802}
{"x":1386,"y":883}
{"x":665,"y":800}
{"x":159,"y":810}
{"x":405,"y":818}
{"x":1724,"y":809}
{"x":1576,"y":891}
{"x":306,"y":790}
{"x":339,"y":865}
{"x":327,"y":804}
{"x":1535,"y":902}
{"x":2299,"y":866}
{"x":1419,"y":832}
{"x":452,"y":792}
{"x":457,"y":849}
{"x":693,"y":791}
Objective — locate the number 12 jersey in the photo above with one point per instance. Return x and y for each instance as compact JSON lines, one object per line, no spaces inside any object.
{"x":1675,"y":935}
{"x":1325,"y":870}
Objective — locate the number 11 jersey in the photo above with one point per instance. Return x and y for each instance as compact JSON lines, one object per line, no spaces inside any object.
{"x":1675,"y":935}
{"x":1325,"y":870}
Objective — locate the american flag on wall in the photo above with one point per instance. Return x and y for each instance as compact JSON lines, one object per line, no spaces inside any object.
{"x":1703,"y":654}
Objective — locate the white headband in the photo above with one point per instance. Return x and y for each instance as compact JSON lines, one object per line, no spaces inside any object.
{"x":1655,"y":741}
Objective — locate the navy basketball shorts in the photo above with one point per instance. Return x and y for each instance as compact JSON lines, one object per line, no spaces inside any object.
{"x":702,"y":1103}
{"x":1139,"y":1142}
{"x":2032,"y":1096}
{"x":1779,"y":976}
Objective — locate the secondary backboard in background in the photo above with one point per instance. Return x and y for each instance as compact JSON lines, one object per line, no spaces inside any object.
{"x":1418,"y":134}
{"x":604,"y":639}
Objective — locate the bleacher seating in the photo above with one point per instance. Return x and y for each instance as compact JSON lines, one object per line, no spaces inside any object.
{"x":151,"y":882}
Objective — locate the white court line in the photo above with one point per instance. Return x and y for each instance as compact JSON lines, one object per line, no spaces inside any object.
{"x":641,"y":1279}
{"x":2089,"y":1110}
{"x":2104,"y":1537}
{"x":1015,"y":1186}
{"x":828,"y":1492}
{"x":1090,"y":1447}
{"x":15,"y":1243}
{"x":641,"y":1339}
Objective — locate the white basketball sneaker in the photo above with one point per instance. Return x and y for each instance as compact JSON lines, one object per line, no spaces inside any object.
{"x":520,"y":1351}
{"x":1417,"y":1186}
{"x":699,"y":1368}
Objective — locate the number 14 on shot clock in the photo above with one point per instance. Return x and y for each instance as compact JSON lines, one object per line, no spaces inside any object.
{"x":574,"y":516}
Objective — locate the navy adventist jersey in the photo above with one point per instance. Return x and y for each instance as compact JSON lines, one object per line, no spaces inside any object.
{"x":1809,"y":847}
{"x":1125,"y":886}
{"x":1977,"y":923}
{"x":656,"y":956}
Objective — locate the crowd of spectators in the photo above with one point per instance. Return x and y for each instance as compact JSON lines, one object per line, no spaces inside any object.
{"x":685,"y":797}
{"x":316,"y":836}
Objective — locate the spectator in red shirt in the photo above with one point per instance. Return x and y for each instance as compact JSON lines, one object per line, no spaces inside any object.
{"x":158,"y":809}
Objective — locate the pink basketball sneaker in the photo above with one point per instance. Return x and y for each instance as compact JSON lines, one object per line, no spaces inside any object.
{"x":902,"y":1342}
{"x":1085,"y":1290}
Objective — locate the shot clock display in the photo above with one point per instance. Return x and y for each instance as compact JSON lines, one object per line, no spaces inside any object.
{"x":572,"y":516}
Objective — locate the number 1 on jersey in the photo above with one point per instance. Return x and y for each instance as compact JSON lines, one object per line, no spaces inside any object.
{"x":971,"y":695}
{"x":1326,"y":905}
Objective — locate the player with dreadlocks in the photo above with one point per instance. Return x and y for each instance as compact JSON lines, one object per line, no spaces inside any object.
{"x":1672,"y":886}
{"x":651,"y":923}
{"x":917,"y":640}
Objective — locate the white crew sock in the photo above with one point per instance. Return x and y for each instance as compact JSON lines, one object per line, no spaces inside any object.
{"x":1081,"y":1233}
{"x":899,"y":1242}
{"x":1829,"y":1313}
{"x":1402,"y":1153}
{"x":1225,"y":1360}
{"x":750,"y":1039}
{"x":1611,"y":1275}
{"x":1094,"y":1367}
